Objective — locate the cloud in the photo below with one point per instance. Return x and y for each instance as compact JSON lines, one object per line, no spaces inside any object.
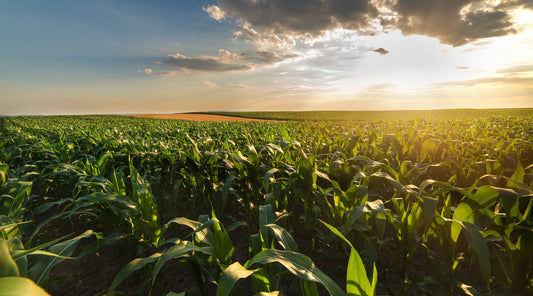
{"x":159,"y":73}
{"x":265,"y":40}
{"x":381,"y":86}
{"x":454,"y":22}
{"x":215,"y":12}
{"x":223,"y":63}
{"x":209,"y":83}
{"x":527,"y":4}
{"x":382,"y":51}
{"x":461,"y":67}
{"x":268,"y":57}
{"x":241,"y":86}
{"x":490,"y":80}
{"x":226,"y":61}
{"x":298,"y":17}
{"x":517,"y":69}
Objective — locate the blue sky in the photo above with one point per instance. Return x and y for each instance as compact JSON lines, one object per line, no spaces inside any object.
{"x":76,"y":57}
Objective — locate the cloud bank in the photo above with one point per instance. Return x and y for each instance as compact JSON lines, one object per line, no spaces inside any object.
{"x":454,"y":22}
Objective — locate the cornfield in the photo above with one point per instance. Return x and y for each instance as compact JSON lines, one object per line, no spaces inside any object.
{"x":362,"y":207}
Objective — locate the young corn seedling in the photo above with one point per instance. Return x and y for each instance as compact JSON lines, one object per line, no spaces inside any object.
{"x":269,"y":278}
{"x":209,"y":252}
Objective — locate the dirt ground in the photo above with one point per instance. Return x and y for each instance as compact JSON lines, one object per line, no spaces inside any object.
{"x":197,"y":117}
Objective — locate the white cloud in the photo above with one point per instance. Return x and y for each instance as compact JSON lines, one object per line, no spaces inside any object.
{"x":215,"y":12}
{"x":209,"y":83}
{"x":149,"y":71}
{"x":264,"y":40}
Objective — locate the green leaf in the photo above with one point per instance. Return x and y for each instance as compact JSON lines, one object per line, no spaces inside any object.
{"x":8,"y":267}
{"x":463,"y":213}
{"x":518,"y":176}
{"x":101,"y":241}
{"x":199,"y":228}
{"x":261,"y":281}
{"x":134,"y":265}
{"x":222,"y":245}
{"x":429,"y":207}
{"x":378,"y":209}
{"x":308,"y":288}
{"x":41,"y":269}
{"x":19,"y":286}
{"x":225,"y":190}
{"x":374,"y":283}
{"x":283,"y":237}
{"x":336,"y":232}
{"x":268,"y":177}
{"x":10,"y":226}
{"x":478,"y":243}
{"x":39,"y":247}
{"x":266,"y":215}
{"x":485,"y":196}
{"x":299,"y":265}
{"x":178,"y":250}
{"x":231,"y":275}
{"x":357,"y":282}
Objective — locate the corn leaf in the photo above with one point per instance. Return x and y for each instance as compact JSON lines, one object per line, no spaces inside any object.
{"x":18,"y":286}
{"x":283,"y":237}
{"x":463,"y":213}
{"x":179,"y":250}
{"x":299,"y":265}
{"x":230,"y":276}
{"x":41,"y":270}
{"x":134,"y":265}
{"x":357,"y":282}
{"x":8,"y":267}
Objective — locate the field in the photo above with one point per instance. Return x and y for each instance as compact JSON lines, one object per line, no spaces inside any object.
{"x":442,"y":114}
{"x":406,"y":205}
{"x":198,"y":117}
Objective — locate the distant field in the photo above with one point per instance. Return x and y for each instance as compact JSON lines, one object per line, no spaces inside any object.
{"x":380,"y":115}
{"x":198,"y":117}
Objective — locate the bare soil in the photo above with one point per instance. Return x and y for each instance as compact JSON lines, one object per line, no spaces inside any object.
{"x":197,"y":117}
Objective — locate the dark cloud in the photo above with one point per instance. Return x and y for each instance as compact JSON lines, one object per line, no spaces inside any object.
{"x":381,"y":51}
{"x":226,"y":61}
{"x":454,"y":22}
{"x":208,"y":64}
{"x":301,"y":16}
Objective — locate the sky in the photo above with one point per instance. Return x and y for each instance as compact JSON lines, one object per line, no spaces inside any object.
{"x":168,"y":56}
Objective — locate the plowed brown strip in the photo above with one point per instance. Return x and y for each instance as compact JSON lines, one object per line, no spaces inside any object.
{"x":197,"y":117}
